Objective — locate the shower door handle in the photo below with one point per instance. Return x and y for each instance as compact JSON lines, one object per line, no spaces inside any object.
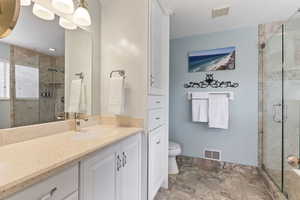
{"x":285,"y":115}
{"x":275,"y":116}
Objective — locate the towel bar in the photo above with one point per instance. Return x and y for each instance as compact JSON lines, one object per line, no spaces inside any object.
{"x":229,"y":93}
{"x":121,"y":73}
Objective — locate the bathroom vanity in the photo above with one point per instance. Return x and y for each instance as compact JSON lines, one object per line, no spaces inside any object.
{"x":70,"y":164}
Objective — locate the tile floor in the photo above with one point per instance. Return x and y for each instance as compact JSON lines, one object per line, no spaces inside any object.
{"x":209,"y":180}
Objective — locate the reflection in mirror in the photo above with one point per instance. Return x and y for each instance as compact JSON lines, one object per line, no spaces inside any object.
{"x":78,"y":61}
{"x":32,"y":72}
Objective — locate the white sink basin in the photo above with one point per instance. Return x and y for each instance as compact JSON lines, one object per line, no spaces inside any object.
{"x":84,"y":135}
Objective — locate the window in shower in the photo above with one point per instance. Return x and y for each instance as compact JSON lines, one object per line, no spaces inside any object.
{"x":27,"y":82}
{"x":4,"y":79}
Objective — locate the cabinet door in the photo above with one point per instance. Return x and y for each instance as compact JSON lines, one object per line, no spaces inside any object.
{"x":156,"y":161}
{"x":131,"y":171}
{"x":73,"y":196}
{"x":156,"y":49}
{"x":98,"y":176}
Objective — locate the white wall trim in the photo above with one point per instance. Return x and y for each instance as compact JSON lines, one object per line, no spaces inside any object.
{"x":165,"y":8}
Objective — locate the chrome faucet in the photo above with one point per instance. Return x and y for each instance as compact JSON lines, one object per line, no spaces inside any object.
{"x":78,"y":117}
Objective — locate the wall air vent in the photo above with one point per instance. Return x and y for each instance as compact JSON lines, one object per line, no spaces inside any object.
{"x":219,"y":12}
{"x":212,"y":155}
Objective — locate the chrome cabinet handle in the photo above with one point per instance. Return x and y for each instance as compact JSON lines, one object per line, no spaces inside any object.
{"x":124,"y":159}
{"x":118,"y":163}
{"x":157,"y":118}
{"x":158,"y":142}
{"x":53,"y":191}
{"x":157,"y":102}
{"x":49,"y":195}
{"x":274,"y":109}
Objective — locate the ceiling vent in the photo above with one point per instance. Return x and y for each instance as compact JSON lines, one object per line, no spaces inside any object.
{"x":219,"y":12}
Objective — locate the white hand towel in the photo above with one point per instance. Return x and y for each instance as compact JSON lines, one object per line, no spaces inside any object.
{"x":199,"y":109}
{"x":218,"y":111}
{"x":200,"y":106}
{"x":75,"y":96}
{"x":116,"y":95}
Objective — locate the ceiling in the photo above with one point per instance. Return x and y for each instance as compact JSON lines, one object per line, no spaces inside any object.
{"x":191,"y":17}
{"x":40,"y":35}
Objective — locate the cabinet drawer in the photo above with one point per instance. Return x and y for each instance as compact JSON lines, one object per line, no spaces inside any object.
{"x":156,"y":118}
{"x":56,"y":187}
{"x":156,"y":102}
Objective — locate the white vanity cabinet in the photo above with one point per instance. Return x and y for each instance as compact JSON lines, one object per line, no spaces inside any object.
{"x":63,"y":186}
{"x":113,"y":173}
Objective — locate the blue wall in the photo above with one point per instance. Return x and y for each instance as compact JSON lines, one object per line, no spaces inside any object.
{"x":239,"y":144}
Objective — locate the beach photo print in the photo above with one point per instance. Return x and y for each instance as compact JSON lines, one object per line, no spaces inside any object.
{"x":212,"y":60}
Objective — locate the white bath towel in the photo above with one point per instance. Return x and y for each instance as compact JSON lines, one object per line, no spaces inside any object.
{"x":200,"y":106}
{"x":218,"y":111}
{"x":116,"y":98}
{"x":75,"y":93}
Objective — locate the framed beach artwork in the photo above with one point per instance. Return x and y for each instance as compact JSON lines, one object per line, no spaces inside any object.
{"x":212,"y":60}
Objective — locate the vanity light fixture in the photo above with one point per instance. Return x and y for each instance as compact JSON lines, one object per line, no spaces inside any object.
{"x":9,"y":14}
{"x":66,"y":24}
{"x":64,"y":6}
{"x":42,"y":12}
{"x":82,"y":16}
{"x":25,"y":2}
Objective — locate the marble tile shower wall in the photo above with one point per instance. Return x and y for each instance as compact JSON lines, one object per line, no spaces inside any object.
{"x":51,"y":80}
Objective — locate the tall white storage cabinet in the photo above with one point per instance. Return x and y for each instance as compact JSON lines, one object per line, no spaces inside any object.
{"x":135,"y":38}
{"x":158,"y":98}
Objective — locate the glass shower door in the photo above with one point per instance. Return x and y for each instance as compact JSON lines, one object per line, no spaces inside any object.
{"x":272,"y":109}
{"x":291,"y":92}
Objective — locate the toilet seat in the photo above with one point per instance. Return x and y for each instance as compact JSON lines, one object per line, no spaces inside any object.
{"x":173,"y":146}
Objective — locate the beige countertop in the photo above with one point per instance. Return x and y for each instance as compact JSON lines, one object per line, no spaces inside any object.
{"x":24,"y":163}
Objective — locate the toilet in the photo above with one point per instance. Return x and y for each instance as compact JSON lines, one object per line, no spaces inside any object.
{"x":174,"y":150}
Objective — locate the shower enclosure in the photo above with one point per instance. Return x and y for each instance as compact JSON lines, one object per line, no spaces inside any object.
{"x":36,"y":87}
{"x":281,"y":106}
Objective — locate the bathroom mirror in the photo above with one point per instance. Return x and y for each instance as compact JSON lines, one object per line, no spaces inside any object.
{"x":38,"y":62}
